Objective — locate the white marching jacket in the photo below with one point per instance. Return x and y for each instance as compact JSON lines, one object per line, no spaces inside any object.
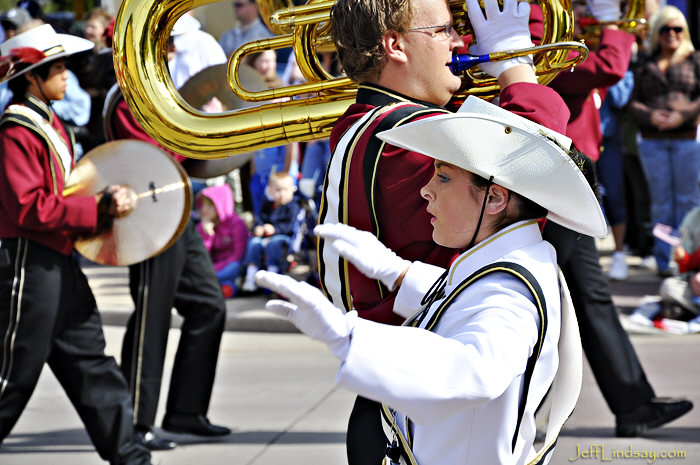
{"x":461,"y":384}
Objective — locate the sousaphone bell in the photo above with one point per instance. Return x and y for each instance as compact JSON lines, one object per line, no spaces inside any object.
{"x":313,"y":107}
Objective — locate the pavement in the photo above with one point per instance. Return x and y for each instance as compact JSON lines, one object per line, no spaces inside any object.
{"x":275,"y":390}
{"x":243,"y":313}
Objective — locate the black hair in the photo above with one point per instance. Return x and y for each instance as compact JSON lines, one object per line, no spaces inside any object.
{"x":33,"y":8}
{"x":20,"y":84}
{"x":587,"y":167}
{"x":8,"y":25}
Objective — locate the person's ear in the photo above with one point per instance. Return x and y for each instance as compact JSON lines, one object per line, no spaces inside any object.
{"x":394,"y":46}
{"x":498,"y":199}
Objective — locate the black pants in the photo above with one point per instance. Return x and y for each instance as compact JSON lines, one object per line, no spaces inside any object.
{"x":182,"y":277}
{"x":606,"y":344}
{"x":48,"y":314}
{"x":366,"y":442}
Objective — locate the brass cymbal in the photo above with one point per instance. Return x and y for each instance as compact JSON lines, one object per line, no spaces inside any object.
{"x":159,"y":187}
{"x":213,"y":82}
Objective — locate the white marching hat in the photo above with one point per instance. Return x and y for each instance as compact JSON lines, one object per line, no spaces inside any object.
{"x":36,"y":47}
{"x":186,"y":23}
{"x":522,"y":156}
{"x":16,"y":17}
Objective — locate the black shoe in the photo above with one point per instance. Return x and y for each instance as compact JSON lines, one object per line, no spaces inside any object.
{"x":192,"y":424}
{"x":149,"y":439}
{"x":657,"y":412}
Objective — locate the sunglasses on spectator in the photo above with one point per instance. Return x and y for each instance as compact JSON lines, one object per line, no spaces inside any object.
{"x":240,"y":4}
{"x":668,"y":29}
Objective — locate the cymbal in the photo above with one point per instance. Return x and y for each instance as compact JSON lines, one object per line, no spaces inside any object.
{"x":158,"y":186}
{"x":213,"y":82}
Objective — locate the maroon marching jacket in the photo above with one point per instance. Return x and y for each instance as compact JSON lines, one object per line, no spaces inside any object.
{"x":379,"y":188}
{"x":32,"y":181}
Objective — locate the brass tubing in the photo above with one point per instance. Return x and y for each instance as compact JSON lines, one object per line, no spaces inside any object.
{"x":141,"y":33}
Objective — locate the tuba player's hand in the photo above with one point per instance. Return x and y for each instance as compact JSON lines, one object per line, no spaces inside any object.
{"x":500,"y":31}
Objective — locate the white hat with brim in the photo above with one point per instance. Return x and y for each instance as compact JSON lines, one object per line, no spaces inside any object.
{"x":522,"y":156}
{"x":16,"y":17}
{"x":185,"y":24}
{"x":44,"y":39}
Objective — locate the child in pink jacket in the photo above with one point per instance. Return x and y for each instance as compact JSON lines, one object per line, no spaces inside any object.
{"x":224,"y":233}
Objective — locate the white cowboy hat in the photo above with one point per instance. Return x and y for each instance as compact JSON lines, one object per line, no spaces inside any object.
{"x":186,"y":23}
{"x":16,"y":17}
{"x":522,"y":156}
{"x":36,"y":47}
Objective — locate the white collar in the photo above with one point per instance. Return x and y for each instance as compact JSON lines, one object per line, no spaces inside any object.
{"x":499,"y":244}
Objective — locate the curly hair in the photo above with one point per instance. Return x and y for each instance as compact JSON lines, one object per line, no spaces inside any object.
{"x":357,"y":28}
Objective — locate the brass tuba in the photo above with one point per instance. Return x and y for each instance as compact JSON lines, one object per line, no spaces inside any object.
{"x":141,"y":33}
{"x":632,"y":21}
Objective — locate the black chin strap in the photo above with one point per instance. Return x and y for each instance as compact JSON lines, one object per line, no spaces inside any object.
{"x":39,"y":84}
{"x":43,"y":95}
{"x":481,"y":215}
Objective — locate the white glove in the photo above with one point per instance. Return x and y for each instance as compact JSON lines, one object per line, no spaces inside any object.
{"x":605,"y":10}
{"x":310,"y":311}
{"x":500,"y":32}
{"x":364,"y":251}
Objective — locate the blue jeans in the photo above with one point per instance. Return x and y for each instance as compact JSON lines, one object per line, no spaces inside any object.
{"x":257,"y":186}
{"x":611,"y":178}
{"x":273,"y":249}
{"x":313,"y":166}
{"x":671,"y":167}
{"x":229,"y":273}
{"x":316,"y":157}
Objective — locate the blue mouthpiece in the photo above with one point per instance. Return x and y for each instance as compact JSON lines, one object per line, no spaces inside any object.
{"x":461,"y":63}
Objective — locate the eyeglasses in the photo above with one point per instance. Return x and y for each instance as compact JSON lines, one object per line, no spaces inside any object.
{"x":668,"y":29}
{"x":441,"y":32}
{"x":239,"y":4}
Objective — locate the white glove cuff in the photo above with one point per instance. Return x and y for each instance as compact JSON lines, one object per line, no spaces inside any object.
{"x":341,"y":345}
{"x":398,"y":269}
{"x":514,"y":42}
{"x":495,"y":68}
